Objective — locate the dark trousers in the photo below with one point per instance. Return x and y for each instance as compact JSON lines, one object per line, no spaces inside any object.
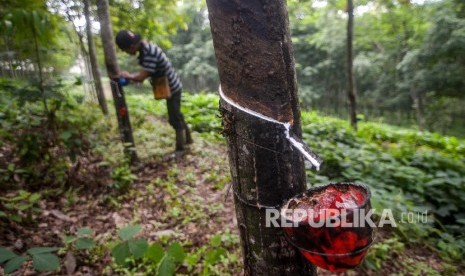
{"x":175,"y":117}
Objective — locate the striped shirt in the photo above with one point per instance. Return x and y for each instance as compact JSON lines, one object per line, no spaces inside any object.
{"x":154,"y":61}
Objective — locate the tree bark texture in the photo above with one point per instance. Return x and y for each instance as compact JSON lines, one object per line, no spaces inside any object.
{"x":111,"y":63}
{"x":350,"y":66}
{"x":93,"y":61}
{"x":256,"y":68}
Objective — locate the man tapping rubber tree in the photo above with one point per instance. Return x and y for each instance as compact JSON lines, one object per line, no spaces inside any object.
{"x":164,"y":79}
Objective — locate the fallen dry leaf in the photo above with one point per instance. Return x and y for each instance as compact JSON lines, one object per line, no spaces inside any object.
{"x":70,"y":263}
{"x":58,"y":214}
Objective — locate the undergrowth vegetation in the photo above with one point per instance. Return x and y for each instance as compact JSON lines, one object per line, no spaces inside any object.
{"x":408,"y":172}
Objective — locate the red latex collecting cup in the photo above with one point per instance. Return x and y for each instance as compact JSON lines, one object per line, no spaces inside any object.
{"x":326,"y":223}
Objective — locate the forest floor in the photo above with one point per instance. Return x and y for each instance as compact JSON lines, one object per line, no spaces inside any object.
{"x":175,"y":199}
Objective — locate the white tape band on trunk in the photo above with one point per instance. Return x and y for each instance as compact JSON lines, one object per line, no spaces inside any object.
{"x":297,"y":143}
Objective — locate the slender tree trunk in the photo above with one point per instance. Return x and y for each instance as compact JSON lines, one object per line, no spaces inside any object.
{"x":39,"y":65}
{"x":84,"y":54}
{"x":421,"y":112}
{"x":93,"y":61}
{"x":350,"y":66}
{"x":12,"y":71}
{"x":84,"y":67}
{"x":256,"y":69}
{"x":91,"y":79}
{"x":419,"y":109}
{"x":109,"y":51}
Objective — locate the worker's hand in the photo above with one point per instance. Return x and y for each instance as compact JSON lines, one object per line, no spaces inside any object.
{"x":126,"y":75}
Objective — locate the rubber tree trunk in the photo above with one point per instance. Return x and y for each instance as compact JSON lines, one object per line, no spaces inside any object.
{"x":256,"y":68}
{"x":93,"y":61}
{"x":109,"y":52}
{"x":350,"y":66}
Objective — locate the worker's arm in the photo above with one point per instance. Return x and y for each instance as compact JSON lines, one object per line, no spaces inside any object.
{"x":137,"y":77}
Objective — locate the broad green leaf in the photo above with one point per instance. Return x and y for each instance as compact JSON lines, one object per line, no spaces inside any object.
{"x":68,"y":239}
{"x":85,"y":243}
{"x":176,"y":252}
{"x":22,"y":195}
{"x":129,"y":232}
{"x":6,"y":255}
{"x":138,"y":247}
{"x":167,"y":267}
{"x":155,"y":253}
{"x":41,"y":250}
{"x":215,"y":241}
{"x":23,"y":207}
{"x":16,"y":218}
{"x":14,"y":264}
{"x":86,"y":231}
{"x":34,"y":198}
{"x":45,"y":262}
{"x":120,"y":252}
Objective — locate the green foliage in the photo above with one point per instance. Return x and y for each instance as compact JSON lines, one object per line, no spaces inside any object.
{"x":31,"y":22}
{"x":14,"y":263}
{"x":411,"y":266}
{"x":123,"y":177}
{"x":155,"y":258}
{"x":155,"y":20}
{"x":192,"y":53}
{"x":83,"y":240}
{"x":129,"y":247}
{"x":20,"y":206}
{"x":129,"y":232}
{"x":450,"y":247}
{"x":407,"y":171}
{"x":215,"y":256}
{"x":382,"y":251}
{"x":43,"y":259}
{"x":201,"y":111}
{"x":155,"y":253}
{"x":404,"y":50}
{"x":173,"y":256}
{"x":42,"y":143}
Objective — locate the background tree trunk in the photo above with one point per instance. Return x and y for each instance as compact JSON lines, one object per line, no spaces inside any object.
{"x":419,"y":109}
{"x":109,"y":52}
{"x":86,"y":71}
{"x":350,"y":66}
{"x":93,"y":61}
{"x":85,"y":68}
{"x":256,"y":69}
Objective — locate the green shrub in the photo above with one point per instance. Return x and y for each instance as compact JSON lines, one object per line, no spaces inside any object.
{"x":122,"y":177}
{"x":20,"y":206}
{"x":43,"y":142}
